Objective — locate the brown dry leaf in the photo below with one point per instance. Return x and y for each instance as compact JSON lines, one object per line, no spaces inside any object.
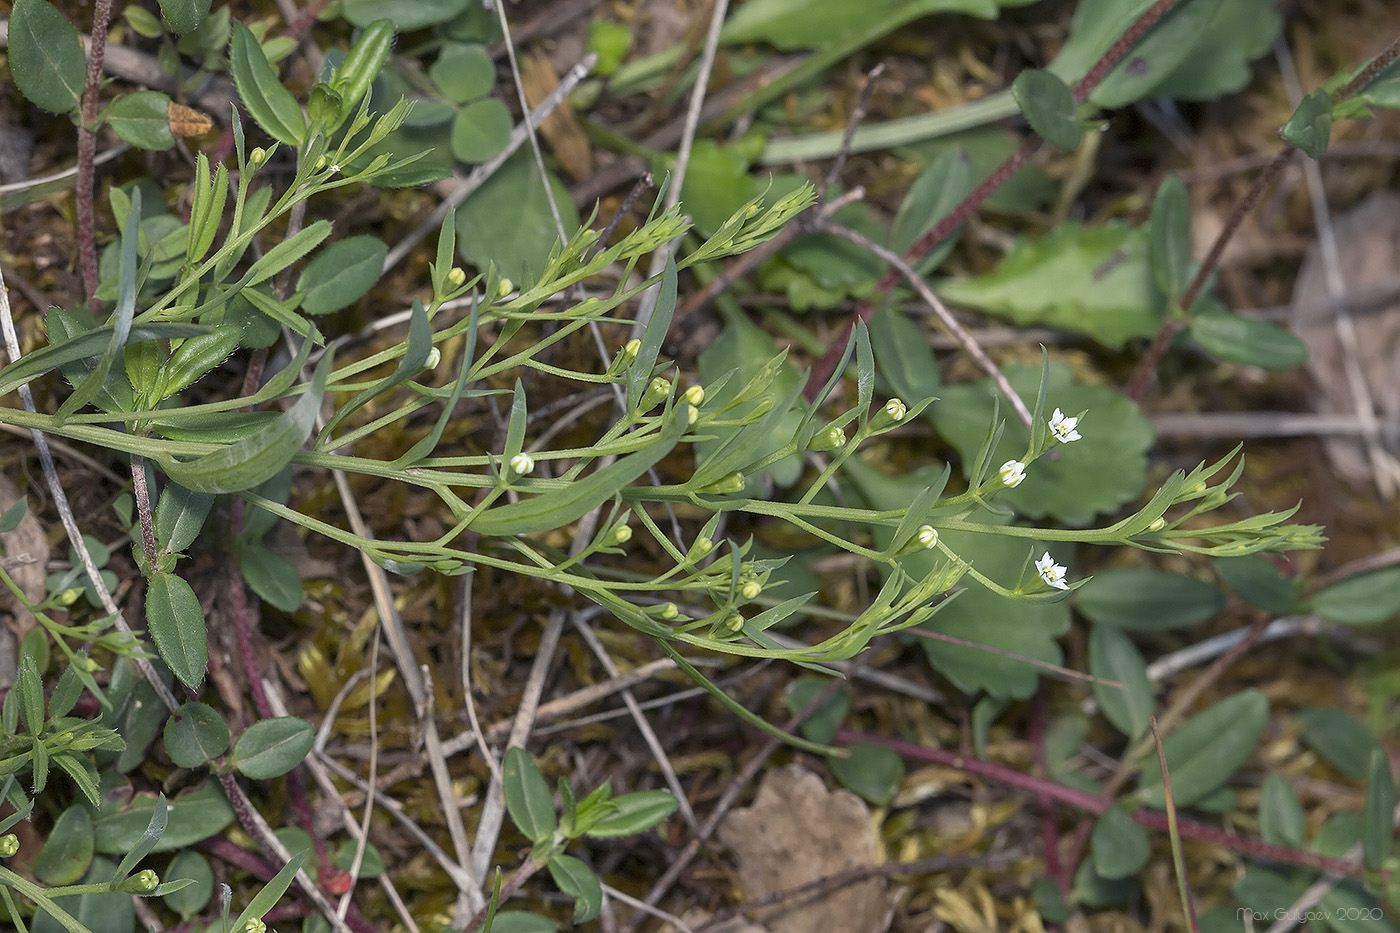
{"x":1368,"y":246}
{"x":186,"y":121}
{"x":797,"y":831}
{"x":560,"y":129}
{"x":25,"y":551}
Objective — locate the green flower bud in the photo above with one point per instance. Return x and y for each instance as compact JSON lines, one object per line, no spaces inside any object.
{"x":143,"y":882}
{"x":701,"y":548}
{"x":734,"y":622}
{"x":621,"y":534}
{"x":320,"y":163}
{"x":658,"y":390}
{"x":69,"y":596}
{"x":732,"y":483}
{"x":9,"y":845}
{"x":694,"y":395}
{"x":669,"y":612}
{"x":434,"y":358}
{"x":828,"y":439}
{"x":255,"y":926}
{"x":893,"y":413}
{"x":1157,"y":525}
{"x":522,"y":464}
{"x":257,"y":156}
{"x":504,"y":287}
{"x":927,"y":537}
{"x":456,"y":277}
{"x":750,"y":589}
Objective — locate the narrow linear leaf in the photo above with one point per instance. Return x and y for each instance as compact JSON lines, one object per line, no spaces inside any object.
{"x":1169,"y":237}
{"x":287,"y":252}
{"x":414,"y":359}
{"x":653,"y":336}
{"x":1377,"y":834}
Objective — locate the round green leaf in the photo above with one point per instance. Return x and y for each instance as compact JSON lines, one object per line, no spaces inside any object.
{"x":1310,"y":126}
{"x":1363,"y":599}
{"x":508,"y":222}
{"x":67,"y":852}
{"x":1120,"y":847}
{"x":463,"y":71}
{"x":1248,"y":341}
{"x":142,"y":118}
{"x":46,"y":56}
{"x":1049,"y":107}
{"x":177,"y":627}
{"x":872,"y":771}
{"x":1099,"y":473}
{"x":194,"y":815}
{"x":634,"y":813}
{"x":578,"y":881}
{"x":1206,"y":750}
{"x":341,"y":274}
{"x":481,"y":130}
{"x":191,"y":899}
{"x":272,"y":747}
{"x":1112,"y":656}
{"x":1141,"y":599}
{"x":195,"y":735}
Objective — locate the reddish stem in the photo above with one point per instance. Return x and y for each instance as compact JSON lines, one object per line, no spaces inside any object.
{"x":87,"y":151}
{"x":1090,"y":803}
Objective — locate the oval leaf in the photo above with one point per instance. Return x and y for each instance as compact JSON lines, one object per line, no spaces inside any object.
{"x":1363,"y":599}
{"x":578,"y":881}
{"x":1112,"y":656}
{"x":142,"y":118}
{"x":1257,"y":581}
{"x":481,"y":130}
{"x":1248,"y":341}
{"x":184,"y":15}
{"x":872,"y":771}
{"x":1281,"y":819}
{"x":528,"y":800}
{"x":191,"y":899}
{"x":341,"y":274}
{"x":1169,"y":237}
{"x":1207,"y":749}
{"x":1120,"y":847}
{"x":193,"y":816}
{"x":268,"y":102}
{"x":177,"y":627}
{"x":463,"y":71}
{"x":1376,"y":825}
{"x":634,"y":813}
{"x":1339,"y":738}
{"x":46,"y":56}
{"x":272,"y":747}
{"x":67,"y":854}
{"x":271,"y":576}
{"x":1141,"y":599}
{"x":195,"y":735}
{"x":1049,"y":107}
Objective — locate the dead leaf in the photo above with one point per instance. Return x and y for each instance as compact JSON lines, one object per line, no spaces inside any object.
{"x":1368,"y":247}
{"x":796,"y":832}
{"x":560,"y":129}
{"x":186,"y":121}
{"x":26,"y":555}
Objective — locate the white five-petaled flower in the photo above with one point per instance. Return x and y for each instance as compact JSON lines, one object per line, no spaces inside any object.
{"x":1012,"y":472}
{"x":1063,"y":427}
{"x":1051,"y":572}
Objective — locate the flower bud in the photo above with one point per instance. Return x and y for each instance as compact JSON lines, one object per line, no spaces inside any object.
{"x":69,"y":597}
{"x":320,"y":163}
{"x":828,"y":439}
{"x":669,"y":612}
{"x":732,"y":483}
{"x":143,"y":882}
{"x":434,"y":358}
{"x":9,"y":845}
{"x":657,"y":391}
{"x":522,"y":464}
{"x":504,"y":287}
{"x":734,"y":622}
{"x":891,"y":414}
{"x":1012,"y":473}
{"x":750,"y":589}
{"x":701,"y":548}
{"x":255,"y":926}
{"x":694,"y":395}
{"x":1158,"y":525}
{"x":456,"y":277}
{"x":257,"y":156}
{"x":927,"y":537}
{"x":621,"y":534}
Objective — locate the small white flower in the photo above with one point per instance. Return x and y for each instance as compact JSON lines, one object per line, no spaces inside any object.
{"x":522,"y":464}
{"x":1064,"y":427}
{"x":1051,"y":572}
{"x":928,"y":536}
{"x":1011,"y":474}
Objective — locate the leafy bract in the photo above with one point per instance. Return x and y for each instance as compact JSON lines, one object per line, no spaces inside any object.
{"x":1101,"y":472}
{"x":1092,"y":280}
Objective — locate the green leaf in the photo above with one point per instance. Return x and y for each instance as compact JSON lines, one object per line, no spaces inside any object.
{"x":1310,"y":126}
{"x":1248,"y":341}
{"x":1208,"y":748}
{"x":1339,"y":738}
{"x":96,"y":911}
{"x":197,"y":356}
{"x":577,"y":880}
{"x":259,"y":456}
{"x":191,"y":899}
{"x":1363,"y":599}
{"x":903,"y":356}
{"x":1219,"y":63}
{"x":1140,"y":599}
{"x":481,"y":130}
{"x":271,"y":893}
{"x":938,"y":189}
{"x":634,"y":813}
{"x":67,"y":852}
{"x":30,"y":687}
{"x":1049,"y":107}
{"x":1120,"y":847}
{"x":142,"y":118}
{"x":1259,"y":582}
{"x":559,"y":507}
{"x":1101,"y":473}
{"x":409,"y":15}
{"x":1377,"y":834}
{"x":1091,"y":280}
{"x":821,"y":724}
{"x":46,"y":56}
{"x":184,"y":16}
{"x":194,"y":815}
{"x":508,"y":221}
{"x":82,"y":346}
{"x":155,"y":828}
{"x":177,"y":627}
{"x":528,"y":800}
{"x":519,"y":921}
{"x":272,"y":747}
{"x":342,"y":274}
{"x":371,"y":864}
{"x":1169,"y":238}
{"x":1112,"y":656}
{"x":653,"y":335}
{"x":816,"y":24}
{"x":271,"y":576}
{"x":195,"y":735}
{"x":872,"y":771}
{"x":287,"y":252}
{"x":362,"y":66}
{"x":463,"y":71}
{"x":14,"y":515}
{"x":1281,"y":819}
{"x":268,"y":102}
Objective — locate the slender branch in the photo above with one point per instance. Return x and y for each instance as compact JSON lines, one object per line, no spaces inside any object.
{"x":87,"y":150}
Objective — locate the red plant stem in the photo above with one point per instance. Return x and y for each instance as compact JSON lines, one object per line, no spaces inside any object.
{"x":1049,"y":838}
{"x":821,"y":372}
{"x":87,"y":151}
{"x":1090,"y":803}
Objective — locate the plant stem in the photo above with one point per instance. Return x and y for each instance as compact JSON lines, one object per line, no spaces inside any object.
{"x":87,"y":149}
